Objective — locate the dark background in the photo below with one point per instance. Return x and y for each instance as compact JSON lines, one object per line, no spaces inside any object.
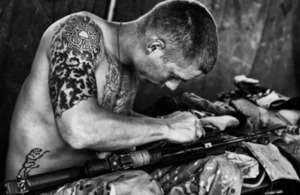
{"x":258,"y":38}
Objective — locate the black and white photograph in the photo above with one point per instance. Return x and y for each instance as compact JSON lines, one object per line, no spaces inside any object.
{"x":149,"y":97}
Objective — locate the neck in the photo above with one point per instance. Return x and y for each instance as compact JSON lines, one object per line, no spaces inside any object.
{"x":126,"y":41}
{"x":118,"y":41}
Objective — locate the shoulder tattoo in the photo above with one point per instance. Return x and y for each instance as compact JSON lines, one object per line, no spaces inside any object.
{"x":75,"y":46}
{"x":31,"y":161}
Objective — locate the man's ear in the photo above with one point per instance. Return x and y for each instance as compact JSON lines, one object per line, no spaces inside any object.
{"x":155,"y":46}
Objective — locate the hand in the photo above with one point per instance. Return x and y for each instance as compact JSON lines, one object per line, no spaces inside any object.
{"x":184,"y":127}
{"x":220,"y":122}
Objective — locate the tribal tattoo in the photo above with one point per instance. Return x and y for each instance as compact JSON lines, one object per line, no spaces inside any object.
{"x":75,"y":47}
{"x":31,"y":161}
{"x":112,"y":82}
{"x":127,"y":93}
{"x":120,"y":87}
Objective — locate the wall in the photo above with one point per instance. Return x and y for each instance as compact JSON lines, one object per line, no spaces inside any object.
{"x":258,"y":38}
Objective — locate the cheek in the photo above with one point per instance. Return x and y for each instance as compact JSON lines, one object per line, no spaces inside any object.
{"x":150,"y":71}
{"x":140,"y":74}
{"x":144,"y":72}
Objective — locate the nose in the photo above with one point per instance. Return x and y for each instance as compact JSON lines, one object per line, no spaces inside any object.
{"x":172,"y":84}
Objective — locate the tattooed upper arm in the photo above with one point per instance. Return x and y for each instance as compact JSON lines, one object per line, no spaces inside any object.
{"x":76,"y":44}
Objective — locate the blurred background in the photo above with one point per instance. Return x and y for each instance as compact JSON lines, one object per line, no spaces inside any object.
{"x":258,"y":38}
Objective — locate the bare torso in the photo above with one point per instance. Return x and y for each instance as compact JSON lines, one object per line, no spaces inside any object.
{"x":36,"y":145}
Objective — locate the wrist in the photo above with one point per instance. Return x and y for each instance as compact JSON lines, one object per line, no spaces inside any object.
{"x":163,"y":127}
{"x":157,"y":128}
{"x":166,"y":130}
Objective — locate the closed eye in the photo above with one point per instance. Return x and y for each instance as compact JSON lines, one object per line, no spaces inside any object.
{"x":176,"y":77}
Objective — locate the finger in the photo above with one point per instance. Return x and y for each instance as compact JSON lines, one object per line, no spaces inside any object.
{"x":172,"y":115}
{"x":264,"y":117}
{"x":197,"y":113}
{"x":220,"y":122}
{"x":199,"y":129}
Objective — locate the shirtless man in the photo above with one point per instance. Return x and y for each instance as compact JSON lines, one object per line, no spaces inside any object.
{"x":78,"y":97}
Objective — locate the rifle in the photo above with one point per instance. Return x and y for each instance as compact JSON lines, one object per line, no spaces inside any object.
{"x":169,"y":155}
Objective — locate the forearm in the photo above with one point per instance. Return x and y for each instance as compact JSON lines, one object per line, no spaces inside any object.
{"x":102,"y":130}
{"x":133,"y":113}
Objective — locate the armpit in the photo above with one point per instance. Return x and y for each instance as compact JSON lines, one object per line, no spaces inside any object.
{"x":76,"y":44}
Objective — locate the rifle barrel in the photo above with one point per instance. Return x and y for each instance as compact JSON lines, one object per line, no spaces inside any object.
{"x":174,"y":154}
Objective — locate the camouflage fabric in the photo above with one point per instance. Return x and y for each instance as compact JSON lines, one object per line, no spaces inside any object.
{"x":118,"y":183}
{"x":274,"y":163}
{"x":210,"y":175}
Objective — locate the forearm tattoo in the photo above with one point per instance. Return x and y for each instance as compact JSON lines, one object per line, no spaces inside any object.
{"x":31,"y":161}
{"x":77,"y":43}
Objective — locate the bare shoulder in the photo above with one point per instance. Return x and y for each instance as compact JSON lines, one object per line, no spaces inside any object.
{"x":77,"y":31}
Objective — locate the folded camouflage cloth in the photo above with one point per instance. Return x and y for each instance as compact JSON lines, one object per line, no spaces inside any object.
{"x":252,"y":172}
{"x":210,"y":175}
{"x":274,"y":163}
{"x":117,"y":183}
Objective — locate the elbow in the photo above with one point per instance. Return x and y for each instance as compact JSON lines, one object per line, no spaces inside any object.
{"x":74,"y":134}
{"x":76,"y":143}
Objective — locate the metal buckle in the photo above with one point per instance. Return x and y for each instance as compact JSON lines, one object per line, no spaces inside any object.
{"x":120,"y":162}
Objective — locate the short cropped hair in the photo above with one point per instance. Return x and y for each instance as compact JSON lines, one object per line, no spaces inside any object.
{"x":188,"y":29}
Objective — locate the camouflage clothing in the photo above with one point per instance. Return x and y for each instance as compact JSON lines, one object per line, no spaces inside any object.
{"x":210,"y":175}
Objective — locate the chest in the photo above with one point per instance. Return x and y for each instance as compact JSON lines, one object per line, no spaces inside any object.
{"x":119,"y":87}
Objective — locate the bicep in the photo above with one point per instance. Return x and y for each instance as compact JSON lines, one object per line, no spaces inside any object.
{"x":75,"y":46}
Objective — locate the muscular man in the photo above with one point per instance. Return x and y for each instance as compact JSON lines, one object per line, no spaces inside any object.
{"x":78,"y":97}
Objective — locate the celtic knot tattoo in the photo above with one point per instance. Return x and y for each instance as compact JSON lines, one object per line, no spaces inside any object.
{"x":75,"y":46}
{"x":81,"y":34}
